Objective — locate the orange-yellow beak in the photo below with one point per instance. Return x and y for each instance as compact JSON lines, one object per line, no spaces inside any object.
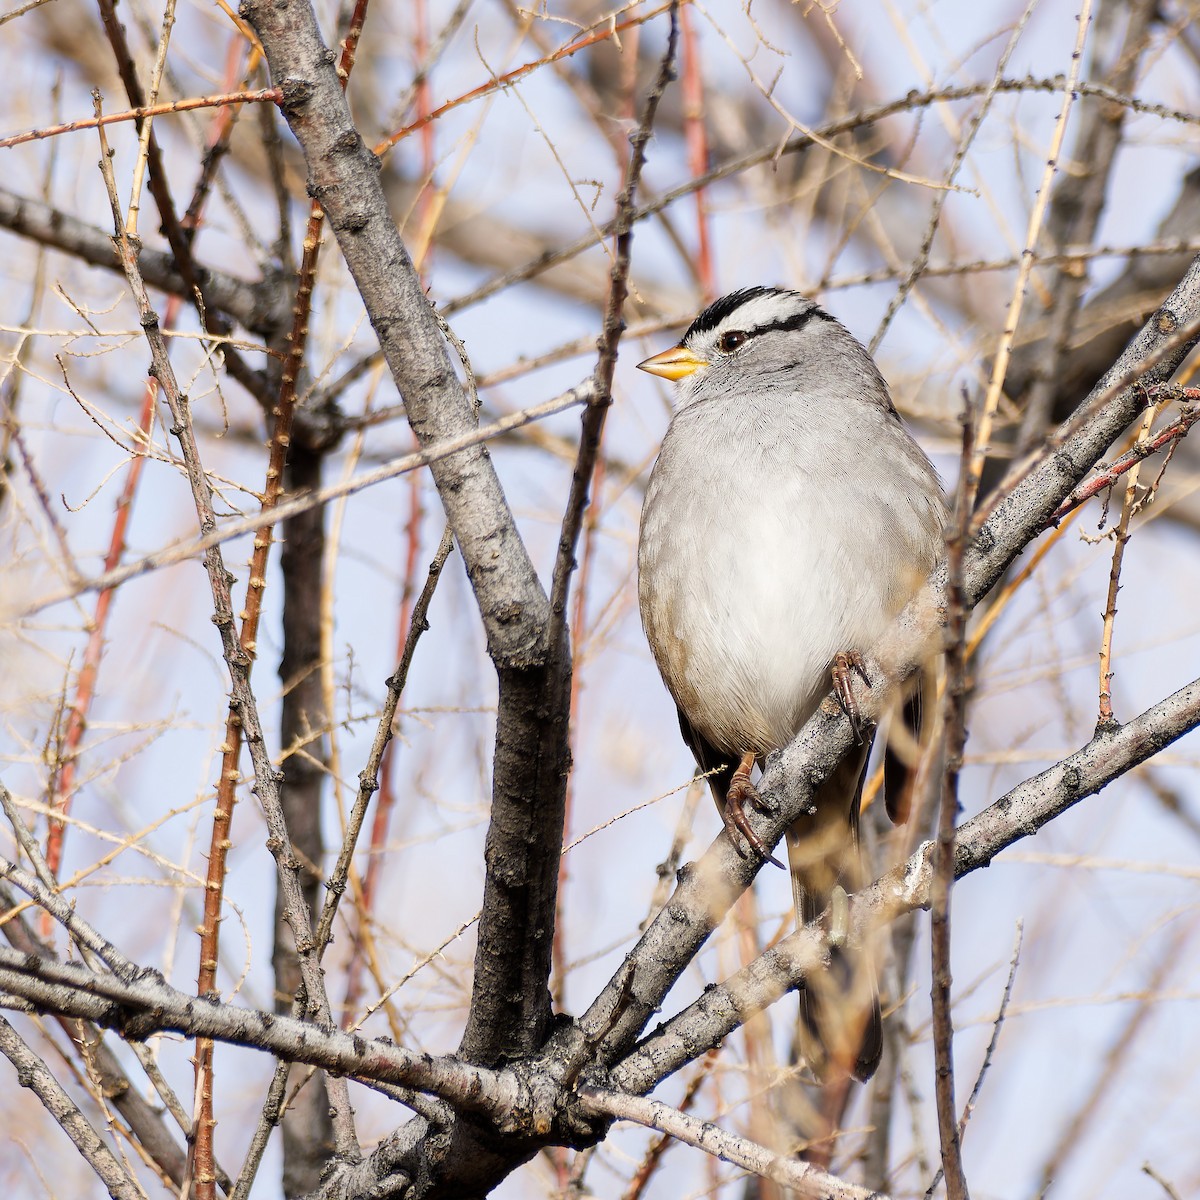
{"x":676,"y":363}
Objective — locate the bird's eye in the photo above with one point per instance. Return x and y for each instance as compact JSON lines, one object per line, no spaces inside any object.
{"x":731,"y":341}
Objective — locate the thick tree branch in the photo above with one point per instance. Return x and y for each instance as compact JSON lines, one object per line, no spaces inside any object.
{"x":707,"y":888}
{"x":1018,"y":814}
{"x":260,"y":307}
{"x":510,"y":1003}
{"x":138,"y":1002}
{"x":343,"y":176}
{"x":33,"y":1073}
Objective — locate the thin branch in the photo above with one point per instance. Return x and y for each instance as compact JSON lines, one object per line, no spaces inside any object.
{"x":33,"y":1073}
{"x":1169,"y":435}
{"x":695,"y":136}
{"x":261,"y":96}
{"x":608,"y":29}
{"x":805,"y":1179}
{"x":1037,"y":216}
{"x":181,"y":551}
{"x":237,"y":660}
{"x":921,"y":261}
{"x":913,"y":102}
{"x":1018,"y":814}
{"x":1168,"y":1190}
{"x":145,"y":1122}
{"x":141,"y":1003}
{"x":258,"y":306}
{"x":610,"y":335}
{"x":1079,"y":197}
{"x":993,"y":1041}
{"x":954,"y":736}
{"x":177,"y":236}
{"x":368,"y":779}
{"x":1117,"y":1058}
{"x":654,"y":1155}
{"x":1120,"y":540}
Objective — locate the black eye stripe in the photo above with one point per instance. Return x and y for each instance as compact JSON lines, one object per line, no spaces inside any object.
{"x":787,"y":324}
{"x":792,"y":323}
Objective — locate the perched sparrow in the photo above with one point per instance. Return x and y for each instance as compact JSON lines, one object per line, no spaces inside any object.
{"x":789,"y":517}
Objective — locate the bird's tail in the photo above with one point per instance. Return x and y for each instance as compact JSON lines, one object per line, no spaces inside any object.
{"x":841,"y":1029}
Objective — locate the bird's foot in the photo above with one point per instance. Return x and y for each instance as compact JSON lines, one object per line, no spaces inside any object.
{"x":845,"y":667}
{"x":741,"y":791}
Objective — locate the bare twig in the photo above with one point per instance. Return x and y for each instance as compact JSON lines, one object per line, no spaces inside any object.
{"x":261,"y":96}
{"x":182,"y":551}
{"x":237,"y":660}
{"x":997,"y":1025}
{"x":1117,"y":1058}
{"x":805,"y":1179}
{"x":1037,"y":216}
{"x":1170,"y":1191}
{"x":696,"y":137}
{"x":1079,"y":196}
{"x":912,"y":102}
{"x":368,"y":779}
{"x":1120,"y":539}
{"x":33,"y":1073}
{"x":606,"y":30}
{"x":610,"y":336}
{"x":921,"y":261}
{"x":654,"y":1154}
{"x":1169,"y":435}
{"x":954,"y":737}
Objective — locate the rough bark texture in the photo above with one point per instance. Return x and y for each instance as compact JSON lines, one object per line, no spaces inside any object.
{"x":307,"y":1128}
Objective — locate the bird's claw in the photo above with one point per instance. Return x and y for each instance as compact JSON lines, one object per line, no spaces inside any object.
{"x":740,"y":791}
{"x":845,"y":666}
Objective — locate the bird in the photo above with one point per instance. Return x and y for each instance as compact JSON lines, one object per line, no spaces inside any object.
{"x":789,"y":517}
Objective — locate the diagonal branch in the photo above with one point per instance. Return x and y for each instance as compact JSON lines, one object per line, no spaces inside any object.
{"x":806,"y":1181}
{"x":343,"y":176}
{"x":510,"y":1002}
{"x":33,"y":1073}
{"x":1018,"y":814}
{"x":708,"y":888}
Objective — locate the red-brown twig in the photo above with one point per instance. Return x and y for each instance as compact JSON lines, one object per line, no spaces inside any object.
{"x":696,"y":139}
{"x":63,"y":786}
{"x":284,"y":411}
{"x":231,"y":749}
{"x":1146,"y":446}
{"x":499,"y":82}
{"x":261,"y":96}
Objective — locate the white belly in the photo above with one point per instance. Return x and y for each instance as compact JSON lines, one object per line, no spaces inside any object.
{"x":746,"y":598}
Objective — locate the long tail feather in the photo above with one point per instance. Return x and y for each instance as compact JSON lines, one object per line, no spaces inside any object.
{"x":841,"y":1029}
